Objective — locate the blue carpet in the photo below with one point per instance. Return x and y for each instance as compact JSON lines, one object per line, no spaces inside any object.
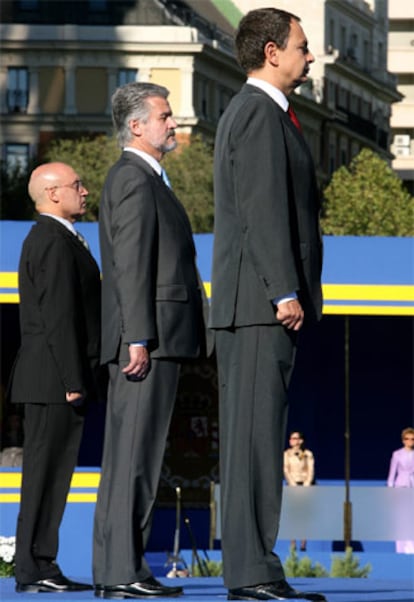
{"x":209,"y":589}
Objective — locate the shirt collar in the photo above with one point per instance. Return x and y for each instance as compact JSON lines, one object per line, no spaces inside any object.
{"x":63,"y":221}
{"x":148,"y":158}
{"x":273,"y":92}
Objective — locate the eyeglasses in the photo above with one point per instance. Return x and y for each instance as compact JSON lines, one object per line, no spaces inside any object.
{"x":408,"y":438}
{"x":76,"y":185}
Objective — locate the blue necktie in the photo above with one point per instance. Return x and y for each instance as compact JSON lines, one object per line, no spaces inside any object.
{"x":165,"y":177}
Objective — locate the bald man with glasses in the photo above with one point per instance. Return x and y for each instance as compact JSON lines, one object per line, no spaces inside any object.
{"x":55,"y":369}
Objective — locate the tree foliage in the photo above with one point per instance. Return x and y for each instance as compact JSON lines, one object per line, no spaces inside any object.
{"x":15,"y":203}
{"x":367,"y":199}
{"x":303,"y":567}
{"x":190,"y":170}
{"x":348,"y":566}
{"x":91,"y":158}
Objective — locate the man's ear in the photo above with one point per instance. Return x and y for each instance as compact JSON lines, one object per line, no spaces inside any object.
{"x":271,"y":53}
{"x":135,"y":127}
{"x":52,"y":194}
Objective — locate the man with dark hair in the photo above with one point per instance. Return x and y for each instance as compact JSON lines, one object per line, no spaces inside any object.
{"x":151,"y":319}
{"x":266,"y":281}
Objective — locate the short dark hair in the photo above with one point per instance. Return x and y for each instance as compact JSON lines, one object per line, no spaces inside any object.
{"x":256,"y":29}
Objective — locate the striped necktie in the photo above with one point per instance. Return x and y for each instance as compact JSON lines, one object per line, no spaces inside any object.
{"x":294,"y":118}
{"x":82,"y":240}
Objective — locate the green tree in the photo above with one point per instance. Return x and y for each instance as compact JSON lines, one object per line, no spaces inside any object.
{"x":190,"y":169}
{"x":15,"y":203}
{"x":367,"y":199}
{"x":348,"y":566}
{"x":304,"y":567}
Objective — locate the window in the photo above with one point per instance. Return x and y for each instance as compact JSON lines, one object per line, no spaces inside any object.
{"x":126,"y":76}
{"x":366,"y":58}
{"x":331,"y":42}
{"x":17,"y":157}
{"x":29,"y":4}
{"x":343,"y":96}
{"x":354,"y":104}
{"x":331,"y":94}
{"x":353,"y":47}
{"x":98,"y":5}
{"x":343,"y":41}
{"x":343,"y":152}
{"x":17,"y":89}
{"x":224,"y":99}
{"x":204,"y":108}
{"x":331,"y":158}
{"x":380,"y":55}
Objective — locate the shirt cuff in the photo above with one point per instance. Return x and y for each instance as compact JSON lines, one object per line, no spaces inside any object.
{"x":290,"y":297}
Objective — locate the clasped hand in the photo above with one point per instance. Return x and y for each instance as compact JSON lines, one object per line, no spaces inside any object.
{"x":139,"y":364}
{"x":290,"y":314}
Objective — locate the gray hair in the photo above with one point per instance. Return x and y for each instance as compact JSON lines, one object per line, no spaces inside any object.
{"x":130,"y":102}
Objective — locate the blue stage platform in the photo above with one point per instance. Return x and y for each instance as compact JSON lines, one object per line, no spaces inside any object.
{"x":209,"y":589}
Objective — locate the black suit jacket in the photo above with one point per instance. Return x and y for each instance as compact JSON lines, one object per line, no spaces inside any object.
{"x":150,"y":289}
{"x":59,"y":286}
{"x":267,"y":240}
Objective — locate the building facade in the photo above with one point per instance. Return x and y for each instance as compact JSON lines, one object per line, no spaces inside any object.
{"x":401,"y":62}
{"x":350,"y":93}
{"x":61,"y":62}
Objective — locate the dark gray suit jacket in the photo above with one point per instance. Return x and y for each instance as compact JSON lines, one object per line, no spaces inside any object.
{"x":267,"y":240}
{"x":150,"y":288}
{"x":60,"y":288}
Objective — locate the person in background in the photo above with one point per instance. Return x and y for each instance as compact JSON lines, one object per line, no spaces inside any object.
{"x":298,"y":467}
{"x":266,"y":282}
{"x":401,"y":474}
{"x":152,"y":318}
{"x":55,"y":370}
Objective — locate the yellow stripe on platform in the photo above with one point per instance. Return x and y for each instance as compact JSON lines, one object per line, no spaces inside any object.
{"x":207,"y":288}
{"x":10,"y":480}
{"x":9,"y":298}
{"x":391,"y":295}
{"x":368,"y":292}
{"x":86,"y":479}
{"x":367,"y":310}
{"x":73,"y":498}
{"x":9,"y":498}
{"x":82,"y":497}
{"x":9,"y":280}
{"x":80,"y":480}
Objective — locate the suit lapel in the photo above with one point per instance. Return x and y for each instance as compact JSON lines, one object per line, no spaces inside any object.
{"x":66,"y":233}
{"x":180,"y":210}
{"x":165,"y":191}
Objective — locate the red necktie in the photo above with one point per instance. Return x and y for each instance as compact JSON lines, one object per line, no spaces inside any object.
{"x":293,"y":118}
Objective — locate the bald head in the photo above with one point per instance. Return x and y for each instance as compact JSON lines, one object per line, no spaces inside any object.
{"x":56,"y":188}
{"x":44,"y":177}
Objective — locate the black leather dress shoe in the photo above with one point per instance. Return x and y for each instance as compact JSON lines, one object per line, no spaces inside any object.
{"x":149,"y":588}
{"x":53,"y":584}
{"x":99,"y":591}
{"x":278,"y":590}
